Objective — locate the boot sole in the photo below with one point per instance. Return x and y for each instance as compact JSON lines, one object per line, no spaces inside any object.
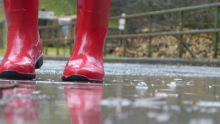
{"x":39,"y":62}
{"x":76,"y":78}
{"x":19,"y":76}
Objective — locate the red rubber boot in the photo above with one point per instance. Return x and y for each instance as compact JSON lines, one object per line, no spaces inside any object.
{"x":86,"y":62}
{"x":24,"y":50}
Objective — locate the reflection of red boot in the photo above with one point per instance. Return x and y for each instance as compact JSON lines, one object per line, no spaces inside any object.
{"x":24,"y":50}
{"x":23,"y":108}
{"x":86,"y":62}
{"x":84,"y":103}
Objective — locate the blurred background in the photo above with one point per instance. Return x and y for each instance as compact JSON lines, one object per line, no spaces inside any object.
{"x":137,"y":28}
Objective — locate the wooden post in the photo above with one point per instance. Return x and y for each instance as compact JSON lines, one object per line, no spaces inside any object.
{"x":216,"y":33}
{"x":2,"y":23}
{"x":124,"y":44}
{"x":64,"y":43}
{"x":150,"y":37}
{"x":181,"y":36}
{"x":43,"y":37}
{"x":72,"y":34}
{"x":46,"y":41}
{"x":59,"y":31}
{"x":105,"y":45}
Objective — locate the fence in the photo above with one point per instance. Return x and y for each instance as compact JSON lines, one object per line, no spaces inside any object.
{"x":52,"y":35}
{"x":69,"y":40}
{"x":2,"y":23}
{"x":180,"y":33}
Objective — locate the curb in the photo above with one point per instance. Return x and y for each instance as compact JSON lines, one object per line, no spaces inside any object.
{"x":169,"y":61}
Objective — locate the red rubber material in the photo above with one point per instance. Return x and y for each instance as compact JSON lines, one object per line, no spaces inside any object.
{"x":23,"y":108}
{"x":91,"y":29}
{"x":24,"y":46}
{"x":84,"y":103}
{"x":19,"y":76}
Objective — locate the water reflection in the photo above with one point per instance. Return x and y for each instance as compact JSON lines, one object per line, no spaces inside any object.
{"x":20,"y":105}
{"x":126,"y":100}
{"x":83,"y":102}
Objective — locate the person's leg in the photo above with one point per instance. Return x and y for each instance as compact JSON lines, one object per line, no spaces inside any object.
{"x":86,"y":62}
{"x":24,"y":50}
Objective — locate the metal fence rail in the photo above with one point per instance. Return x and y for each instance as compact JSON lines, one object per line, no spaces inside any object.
{"x":70,"y":39}
{"x":180,"y":33}
{"x":190,"y":8}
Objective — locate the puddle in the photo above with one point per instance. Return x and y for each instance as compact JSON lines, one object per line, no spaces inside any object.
{"x":130,"y":94}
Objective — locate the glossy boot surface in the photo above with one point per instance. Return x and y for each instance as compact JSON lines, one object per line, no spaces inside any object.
{"x":86,"y":62}
{"x":84,"y":103}
{"x":24,"y":109}
{"x":24,"y":50}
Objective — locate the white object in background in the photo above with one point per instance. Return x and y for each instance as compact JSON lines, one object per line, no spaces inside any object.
{"x":46,"y":15}
{"x":122,"y":22}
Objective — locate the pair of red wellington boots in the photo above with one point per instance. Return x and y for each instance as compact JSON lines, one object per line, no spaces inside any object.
{"x":24,"y":51}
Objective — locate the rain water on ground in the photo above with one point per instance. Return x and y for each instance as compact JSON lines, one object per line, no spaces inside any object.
{"x":130,"y":94}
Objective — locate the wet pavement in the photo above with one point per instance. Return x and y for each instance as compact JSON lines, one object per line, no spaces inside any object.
{"x":130,"y":94}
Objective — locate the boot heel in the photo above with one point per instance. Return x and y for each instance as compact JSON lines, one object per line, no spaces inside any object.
{"x":39,"y":62}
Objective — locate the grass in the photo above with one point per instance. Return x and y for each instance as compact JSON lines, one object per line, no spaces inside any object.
{"x":2,"y":51}
{"x":2,"y":17}
{"x":2,"y":14}
{"x":51,"y":51}
{"x":64,"y":51}
{"x":113,"y":23}
{"x":60,"y":7}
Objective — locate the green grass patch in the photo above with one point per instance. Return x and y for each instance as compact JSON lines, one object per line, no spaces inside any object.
{"x":2,"y":13}
{"x":113,"y":23}
{"x":60,"y":7}
{"x":64,"y":51}
{"x":2,"y":51}
{"x":52,"y":51}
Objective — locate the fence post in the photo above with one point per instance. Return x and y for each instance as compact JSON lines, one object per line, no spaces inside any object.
{"x":72,"y":35}
{"x":2,"y":34}
{"x":181,"y":36}
{"x":122,"y":27}
{"x":216,"y":33}
{"x":105,"y":46}
{"x":150,"y":38}
{"x":124,"y":43}
{"x":46,"y":41}
{"x":59,"y":33}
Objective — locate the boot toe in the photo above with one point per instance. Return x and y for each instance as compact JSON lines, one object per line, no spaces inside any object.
{"x":12,"y":70}
{"x":83,"y":74}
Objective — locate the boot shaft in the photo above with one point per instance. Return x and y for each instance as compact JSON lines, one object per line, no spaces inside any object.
{"x":93,"y":13}
{"x":91,"y":27}
{"x":22,"y":21}
{"x":22,"y":15}
{"x":100,"y":7}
